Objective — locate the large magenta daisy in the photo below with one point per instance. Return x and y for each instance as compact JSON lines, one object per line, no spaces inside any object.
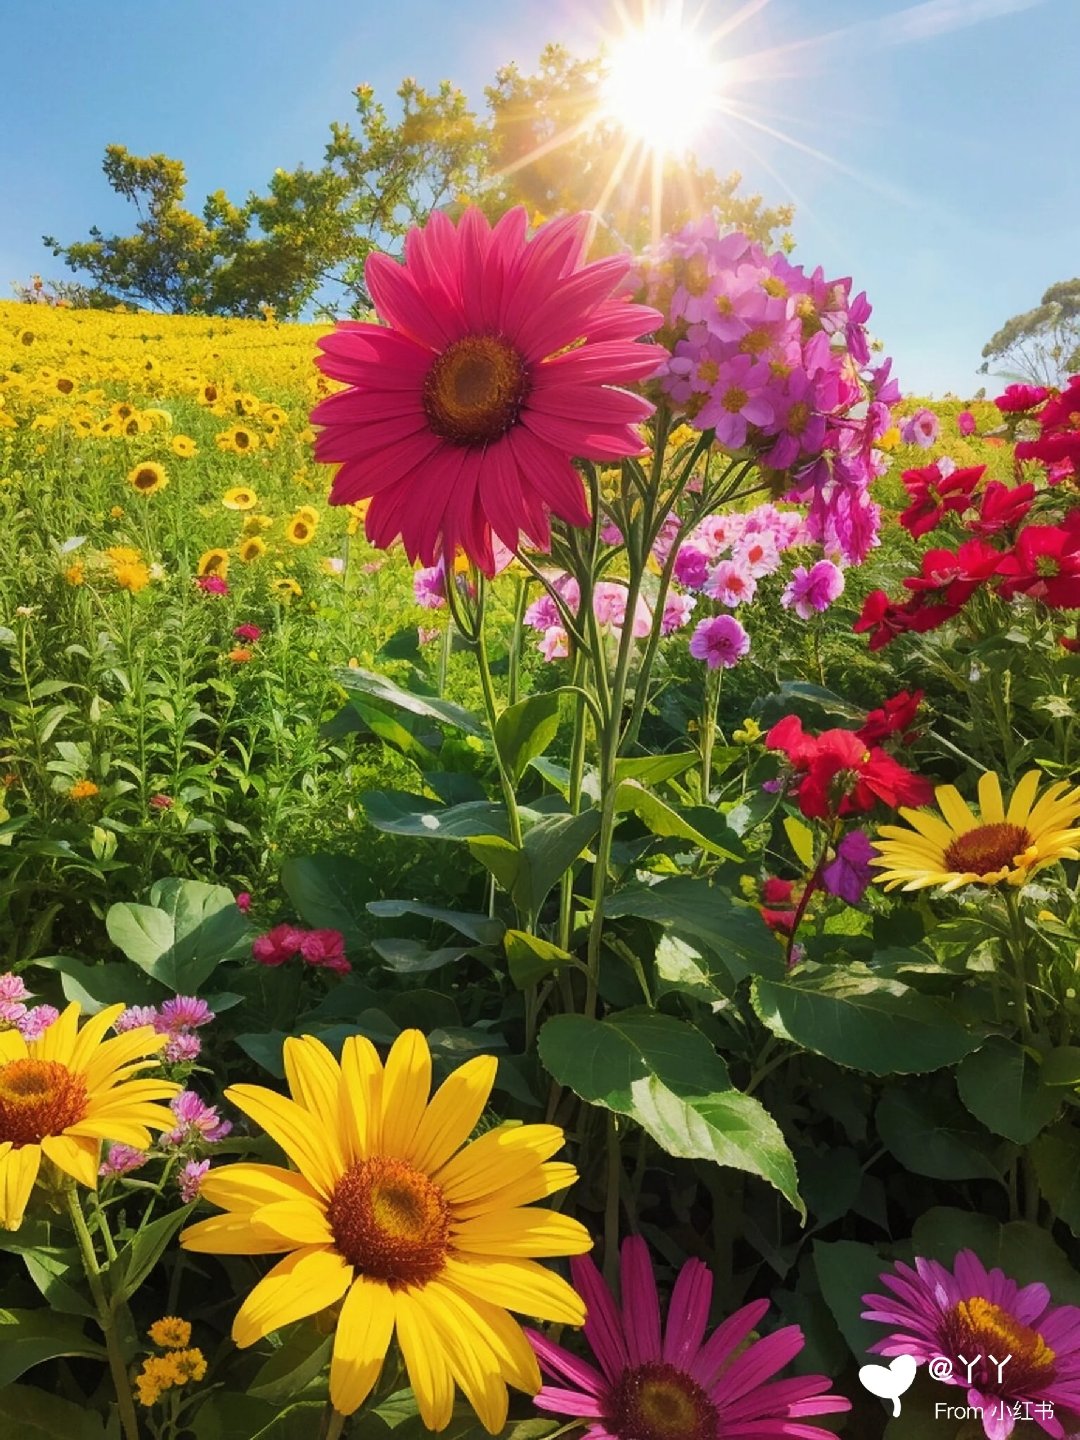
{"x":677,"y":1385}
{"x":494,"y":367}
{"x":976,"y":1313}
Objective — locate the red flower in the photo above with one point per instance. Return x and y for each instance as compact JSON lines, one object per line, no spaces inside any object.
{"x":934,"y":493}
{"x":775,"y":891}
{"x":952,"y":577}
{"x":1018,"y":398}
{"x":893,"y":718}
{"x":1063,"y":411}
{"x":1045,"y":565}
{"x":841,"y":775}
{"x":277,"y":945}
{"x":1052,"y":449}
{"x":883,"y":618}
{"x":1003,"y":507}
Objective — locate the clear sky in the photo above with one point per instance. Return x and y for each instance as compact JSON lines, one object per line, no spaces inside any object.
{"x":934,"y":155}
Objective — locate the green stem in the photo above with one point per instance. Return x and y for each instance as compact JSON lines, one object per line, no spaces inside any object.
{"x":125,"y":1399}
{"x":488,"y":687}
{"x":335,"y":1425}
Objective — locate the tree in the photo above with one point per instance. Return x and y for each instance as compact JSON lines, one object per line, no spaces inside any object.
{"x":1043,"y":345}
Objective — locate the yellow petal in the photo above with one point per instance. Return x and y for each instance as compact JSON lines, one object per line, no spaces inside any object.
{"x":12,"y":1046}
{"x":316,"y":1155}
{"x":991,"y":809}
{"x":245,"y":1187}
{"x":405,"y":1090}
{"x":303,"y":1222}
{"x":231,"y":1235}
{"x":91,"y":1036}
{"x":535,"y":1184}
{"x":426,"y":1362}
{"x":452,"y":1115}
{"x":954,"y":808}
{"x":517,"y":1358}
{"x":300,"y":1285}
{"x":18,"y":1171}
{"x":58,"y":1040}
{"x":473,"y":1363}
{"x":498,"y":1158}
{"x":1023,"y":797}
{"x":930,"y":826}
{"x":525,"y":1232}
{"x":364,"y":1331}
{"x":361,"y":1079}
{"x":116,"y":1129}
{"x":76,"y":1156}
{"x":114,"y":1060}
{"x":314,"y":1078}
{"x":519,"y":1285}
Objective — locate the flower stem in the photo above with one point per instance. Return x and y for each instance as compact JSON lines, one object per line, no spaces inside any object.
{"x":125,"y":1400}
{"x":336,"y":1424}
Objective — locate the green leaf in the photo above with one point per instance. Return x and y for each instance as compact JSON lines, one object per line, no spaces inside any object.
{"x":1002,"y":1087}
{"x":665,"y":821}
{"x":1061,"y":1066}
{"x":399,"y":813}
{"x":480,"y":928}
{"x":298,"y":1360}
{"x":801,"y":839}
{"x":366,"y":682}
{"x":654,"y":769}
{"x":862,"y":1020}
{"x":847,"y":1271}
{"x":693,"y":907}
{"x":138,"y":1257}
{"x":29,"y":1337}
{"x":1056,"y":1156}
{"x":931,"y":1135}
{"x":330,"y":892}
{"x":525,"y":730}
{"x":52,"y":1270}
{"x":666,"y":1075}
{"x":549,"y":849}
{"x":182,"y":936}
{"x":683,"y":968}
{"x":95,"y":986}
{"x":1025,"y":1252}
{"x":412,"y":957}
{"x":531,"y":959}
{"x":402,"y":736}
{"x":32,"y":1414}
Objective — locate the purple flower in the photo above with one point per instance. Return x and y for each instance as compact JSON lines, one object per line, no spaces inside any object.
{"x":813,"y":589}
{"x":554,"y":644}
{"x":429,"y":587}
{"x":719,"y":641}
{"x":738,"y":401}
{"x":182,"y":1049}
{"x":121,"y":1160}
{"x":134,"y":1017}
{"x":849,"y":873}
{"x":921,"y":429}
{"x":185,"y":1012}
{"x":12,"y":1012}
{"x":190,"y":1179}
{"x":965,"y":423}
{"x":731,"y":583}
{"x":691,"y":567}
{"x":677,"y":611}
{"x":196,"y":1121}
{"x":648,"y":1375}
{"x":37,"y":1020}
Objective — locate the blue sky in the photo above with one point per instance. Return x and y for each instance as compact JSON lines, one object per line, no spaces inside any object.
{"x":951,"y":191}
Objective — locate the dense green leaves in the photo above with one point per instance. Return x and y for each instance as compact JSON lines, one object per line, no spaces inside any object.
{"x":30,"y":1413}
{"x":182,"y":936}
{"x":695,"y":908}
{"x":930,"y":1134}
{"x":382,"y":689}
{"x":28,"y":1337}
{"x":329,"y":892}
{"x":1002,"y":1086}
{"x":525,"y":730}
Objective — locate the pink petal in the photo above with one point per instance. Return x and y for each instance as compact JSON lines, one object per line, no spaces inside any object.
{"x":559,"y":318}
{"x":581,"y":438}
{"x":640,"y":1304}
{"x":602,"y":404}
{"x":688,"y":1313}
{"x":565,"y":1366}
{"x":357,"y":442}
{"x":567,"y":1402}
{"x":550,"y":475}
{"x":603,"y":1329}
{"x":399,"y":303}
{"x":606,"y":363}
{"x":386,"y":467}
{"x":726,"y":1338}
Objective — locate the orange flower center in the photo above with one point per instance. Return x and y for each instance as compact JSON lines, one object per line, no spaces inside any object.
{"x":474,"y":390}
{"x":991,"y":1330}
{"x":734,"y":399}
{"x":987,"y":848}
{"x":38,"y":1098}
{"x":391,"y":1221}
{"x":660,"y":1402}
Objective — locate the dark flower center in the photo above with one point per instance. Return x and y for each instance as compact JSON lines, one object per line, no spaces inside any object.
{"x":146,"y":479}
{"x":38,"y":1098}
{"x":979,"y":1327}
{"x":658,"y":1401}
{"x":391,"y":1221}
{"x":475,"y":389}
{"x":987,"y":848}
{"x":734,"y":399}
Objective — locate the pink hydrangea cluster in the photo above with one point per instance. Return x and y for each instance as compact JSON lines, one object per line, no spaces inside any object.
{"x":178,"y":1018}
{"x":31,"y":1021}
{"x":776,"y":362}
{"x":321,"y":949}
{"x":609,"y":606}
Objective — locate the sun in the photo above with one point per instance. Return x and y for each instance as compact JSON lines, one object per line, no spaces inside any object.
{"x":661,"y":82}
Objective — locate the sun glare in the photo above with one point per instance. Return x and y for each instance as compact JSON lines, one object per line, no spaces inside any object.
{"x":661,"y":83}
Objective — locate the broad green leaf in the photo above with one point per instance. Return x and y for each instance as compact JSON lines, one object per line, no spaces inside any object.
{"x":412,"y":957}
{"x":693,"y":907}
{"x":30,"y":1413}
{"x":846,"y":1271}
{"x":1061,"y":1066}
{"x":95,"y":986}
{"x":329,"y":892}
{"x":801,"y":839}
{"x":663,"y":820}
{"x":29,"y":1337}
{"x":531,"y":959}
{"x":480,"y":928}
{"x":682,"y":967}
{"x":298,"y":1360}
{"x":57,"y":1274}
{"x":863,"y":1020}
{"x":930,"y":1134}
{"x":1002,"y":1087}
{"x":392,"y":731}
{"x":399,"y":813}
{"x":550,"y":848}
{"x":137,"y":1258}
{"x":182,"y":936}
{"x":366,"y":682}
{"x":142,"y":932}
{"x":525,"y":730}
{"x":666,"y":1075}
{"x":654,"y":769}
{"x":498,"y":856}
{"x":1025,"y":1252}
{"x":1056,"y":1156}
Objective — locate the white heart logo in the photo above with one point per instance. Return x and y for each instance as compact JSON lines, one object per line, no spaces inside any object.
{"x":890,"y":1381}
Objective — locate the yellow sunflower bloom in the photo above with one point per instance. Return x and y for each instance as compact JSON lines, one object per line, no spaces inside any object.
{"x":183,"y":445}
{"x":213,"y":562}
{"x":240,"y":497}
{"x":286,"y":589}
{"x":253,"y":548}
{"x":148,"y":478}
{"x":300,"y":529}
{"x":958,"y":847}
{"x":238,"y":440}
{"x":63,"y":1094}
{"x":392,"y":1215}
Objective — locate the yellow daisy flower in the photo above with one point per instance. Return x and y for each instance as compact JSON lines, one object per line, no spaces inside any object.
{"x":253,"y":548}
{"x":62,"y":1094}
{"x":393,"y":1214}
{"x":148,"y":478}
{"x":183,"y":445}
{"x":83,"y":790}
{"x":286,"y":589}
{"x":300,"y":529}
{"x":998,"y":845}
{"x":213,"y":562}
{"x":238,"y":440}
{"x":240,"y":497}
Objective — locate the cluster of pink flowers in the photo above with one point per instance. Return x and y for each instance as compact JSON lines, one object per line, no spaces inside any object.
{"x":196,"y":1122}
{"x":178,"y":1018}
{"x":321,"y":949}
{"x":31,"y":1021}
{"x":212,"y":584}
{"x":777,"y":363}
{"x":609,"y":606}
{"x":197,"y":1125}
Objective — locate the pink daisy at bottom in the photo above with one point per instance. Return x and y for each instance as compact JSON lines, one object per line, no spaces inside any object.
{"x":675,"y":1384}
{"x":974,"y":1312}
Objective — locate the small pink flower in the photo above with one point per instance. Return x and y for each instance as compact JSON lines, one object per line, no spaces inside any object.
{"x":182,"y":1049}
{"x":677,"y":612}
{"x":812,"y":590}
{"x":248,"y":632}
{"x":11,"y":1013}
{"x":243,"y":902}
{"x":121,"y":1160}
{"x":921,"y":429}
{"x":196,"y":1121}
{"x":161,"y":802}
{"x":134,"y":1017}
{"x":212,"y":584}
{"x":965,"y":423}
{"x":425,"y":634}
{"x":277,"y":945}
{"x":190,"y":1179}
{"x":757,"y":552}
{"x":429,"y":587}
{"x":731,"y":583}
{"x":183,"y":1012}
{"x":325,"y":949}
{"x":12,"y":987}
{"x":719,"y":641}
{"x":555,"y":644}
{"x":37,"y":1020}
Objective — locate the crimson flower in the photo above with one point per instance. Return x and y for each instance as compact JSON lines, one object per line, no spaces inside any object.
{"x":1003,"y":507}
{"x":1018,"y":398}
{"x":1044,"y":564}
{"x":841,"y":775}
{"x":895,"y":717}
{"x":934,"y":492}
{"x":1063,"y":411}
{"x":951,"y":577}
